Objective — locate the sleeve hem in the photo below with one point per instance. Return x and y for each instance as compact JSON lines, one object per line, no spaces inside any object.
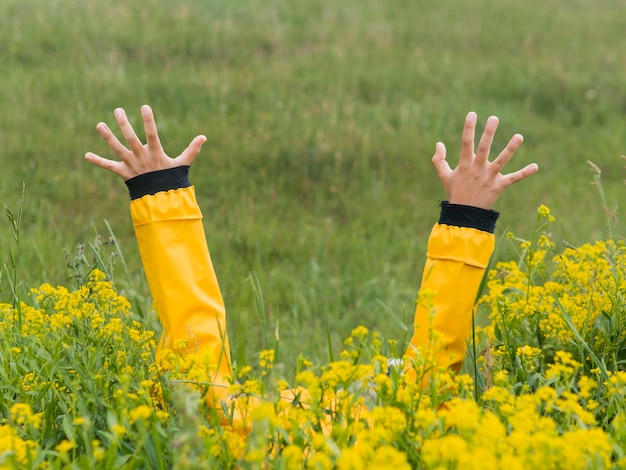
{"x":157,"y":181}
{"x":468,"y":216}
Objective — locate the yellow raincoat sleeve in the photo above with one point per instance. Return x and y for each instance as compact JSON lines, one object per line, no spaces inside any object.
{"x":457,"y":257}
{"x":172,"y":243}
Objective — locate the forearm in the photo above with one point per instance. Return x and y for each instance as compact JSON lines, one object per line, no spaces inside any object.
{"x":169,"y":230}
{"x":459,"y":249}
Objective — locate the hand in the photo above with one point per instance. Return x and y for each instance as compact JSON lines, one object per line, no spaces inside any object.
{"x":476,"y":181}
{"x":141,"y":158}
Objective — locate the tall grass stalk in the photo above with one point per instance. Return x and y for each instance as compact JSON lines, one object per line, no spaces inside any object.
{"x":611,"y":214}
{"x":15,"y":251}
{"x":260,"y":306}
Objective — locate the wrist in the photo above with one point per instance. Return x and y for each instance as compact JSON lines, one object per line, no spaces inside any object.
{"x":461,"y":215}
{"x":157,"y":181}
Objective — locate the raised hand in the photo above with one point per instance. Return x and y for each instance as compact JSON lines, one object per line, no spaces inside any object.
{"x":140,"y":158}
{"x":476,"y":181}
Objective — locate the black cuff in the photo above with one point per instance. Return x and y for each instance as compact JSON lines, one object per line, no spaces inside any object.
{"x":468,"y":216}
{"x":157,"y":181}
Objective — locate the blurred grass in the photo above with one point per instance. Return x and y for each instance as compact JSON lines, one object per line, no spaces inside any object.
{"x":321,"y":119}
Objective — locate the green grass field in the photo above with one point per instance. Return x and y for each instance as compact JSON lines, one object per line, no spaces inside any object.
{"x":321,"y":117}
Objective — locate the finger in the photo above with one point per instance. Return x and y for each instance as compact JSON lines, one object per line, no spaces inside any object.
{"x":152,"y":135}
{"x":128,"y":132}
{"x":505,"y":156}
{"x":440,"y":163}
{"x":520,"y":175}
{"x":484,"y":145}
{"x":467,"y":140}
{"x":119,"y":168}
{"x":192,"y":151}
{"x":112,"y":141}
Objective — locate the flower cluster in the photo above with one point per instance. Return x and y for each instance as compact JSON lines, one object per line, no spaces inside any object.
{"x":557,"y":331}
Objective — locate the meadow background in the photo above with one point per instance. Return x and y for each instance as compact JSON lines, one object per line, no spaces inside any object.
{"x":321,"y":117}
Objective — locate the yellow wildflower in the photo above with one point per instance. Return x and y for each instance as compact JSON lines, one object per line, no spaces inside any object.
{"x":140,"y":413}
{"x":64,"y":446}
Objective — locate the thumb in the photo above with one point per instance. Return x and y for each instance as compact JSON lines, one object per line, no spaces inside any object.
{"x":192,"y":150}
{"x":439,"y":161}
